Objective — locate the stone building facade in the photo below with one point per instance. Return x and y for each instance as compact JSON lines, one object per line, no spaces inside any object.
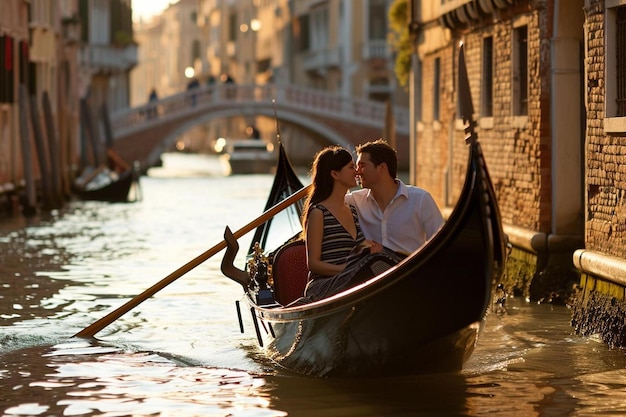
{"x":525,"y":68}
{"x":52,"y":54}
{"x":548,"y":82}
{"x":600,"y":307}
{"x":38,"y":66}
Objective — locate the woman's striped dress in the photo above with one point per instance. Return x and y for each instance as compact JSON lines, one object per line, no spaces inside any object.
{"x":337,"y":244}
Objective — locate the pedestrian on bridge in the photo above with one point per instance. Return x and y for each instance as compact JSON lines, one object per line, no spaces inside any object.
{"x":193,"y":85}
{"x":152,"y":107}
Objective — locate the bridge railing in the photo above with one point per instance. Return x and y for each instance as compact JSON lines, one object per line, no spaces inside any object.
{"x":202,"y":99}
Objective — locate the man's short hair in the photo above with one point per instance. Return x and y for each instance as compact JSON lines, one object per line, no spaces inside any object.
{"x":379,"y":152}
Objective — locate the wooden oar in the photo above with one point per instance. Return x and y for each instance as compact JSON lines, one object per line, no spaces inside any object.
{"x":90,"y":331}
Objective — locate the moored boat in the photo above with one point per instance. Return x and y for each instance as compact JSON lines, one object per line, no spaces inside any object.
{"x":248,"y":156}
{"x":105,"y":185}
{"x":111,"y":182}
{"x":423,"y":314}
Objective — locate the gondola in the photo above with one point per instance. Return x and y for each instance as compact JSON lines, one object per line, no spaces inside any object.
{"x":112,"y":180}
{"x":421,"y":315}
{"x":111,"y":183}
{"x":107,"y":186}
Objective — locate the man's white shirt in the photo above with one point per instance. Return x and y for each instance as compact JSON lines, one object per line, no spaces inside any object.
{"x":411,"y":218}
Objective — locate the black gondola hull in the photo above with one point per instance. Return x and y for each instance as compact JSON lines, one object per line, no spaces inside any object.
{"x":423,"y":315}
{"x":115,"y":191}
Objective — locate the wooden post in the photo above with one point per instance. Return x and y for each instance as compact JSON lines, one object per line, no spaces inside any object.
{"x":106,"y":122}
{"x":87,"y":123}
{"x":55,"y":152}
{"x":30,"y":202}
{"x":68,"y":147}
{"x":42,"y":155}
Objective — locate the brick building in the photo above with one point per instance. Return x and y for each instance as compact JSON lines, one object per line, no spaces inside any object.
{"x":601,"y":307}
{"x":526,"y":72}
{"x":548,"y":81}
{"x":38,"y":59}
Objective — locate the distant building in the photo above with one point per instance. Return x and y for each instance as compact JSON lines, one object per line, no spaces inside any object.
{"x":38,"y":42}
{"x":341,"y":46}
{"x":108,"y":52}
{"x":170,"y":60}
{"x":336,"y":46}
{"x":169,"y":48}
{"x":64,"y":50}
{"x":148,"y":73}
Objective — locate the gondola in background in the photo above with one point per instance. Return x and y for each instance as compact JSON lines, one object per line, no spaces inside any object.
{"x":112,"y":180}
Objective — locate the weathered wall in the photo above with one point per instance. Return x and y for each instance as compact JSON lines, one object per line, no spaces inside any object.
{"x":516,"y":147}
{"x":605,"y":225}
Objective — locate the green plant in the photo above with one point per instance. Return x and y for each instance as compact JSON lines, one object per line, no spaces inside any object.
{"x":122,"y":38}
{"x":400,"y":40}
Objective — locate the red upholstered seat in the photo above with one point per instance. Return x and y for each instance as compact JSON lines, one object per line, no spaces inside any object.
{"x":290,"y":272}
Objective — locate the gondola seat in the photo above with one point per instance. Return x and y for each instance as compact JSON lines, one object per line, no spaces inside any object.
{"x":290,"y":272}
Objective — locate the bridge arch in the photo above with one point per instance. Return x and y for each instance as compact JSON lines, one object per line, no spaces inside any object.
{"x":342,"y":121}
{"x":169,"y":140}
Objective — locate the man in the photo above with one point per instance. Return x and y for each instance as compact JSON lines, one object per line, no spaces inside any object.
{"x":401,"y":217}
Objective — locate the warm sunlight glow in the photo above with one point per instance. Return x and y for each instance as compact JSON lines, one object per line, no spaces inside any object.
{"x":147,"y":9}
{"x":220,"y":143}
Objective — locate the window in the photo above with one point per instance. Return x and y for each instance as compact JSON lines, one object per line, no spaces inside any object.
{"x":301,"y":34}
{"x":487,"y":90}
{"x":436,"y":84}
{"x":520,"y":71}
{"x":615,"y":67}
{"x":620,"y":55}
{"x":263,"y":65}
{"x":319,"y":29}
{"x":233,"y":27}
{"x":195,"y":50}
{"x":7,"y":69}
{"x":377,"y":20}
{"x":43,"y":12}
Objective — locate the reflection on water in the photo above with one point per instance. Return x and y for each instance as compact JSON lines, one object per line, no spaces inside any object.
{"x":181,"y":353}
{"x":78,"y":379}
{"x":183,"y":165}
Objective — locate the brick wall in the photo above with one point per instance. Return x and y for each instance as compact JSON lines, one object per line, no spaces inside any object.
{"x":433,"y":139}
{"x":605,"y":224}
{"x":517,"y":149}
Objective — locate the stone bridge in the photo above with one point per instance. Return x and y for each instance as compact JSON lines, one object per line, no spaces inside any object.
{"x":344,"y":121}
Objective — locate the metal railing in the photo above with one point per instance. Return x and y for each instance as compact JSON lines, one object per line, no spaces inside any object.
{"x":208,"y":97}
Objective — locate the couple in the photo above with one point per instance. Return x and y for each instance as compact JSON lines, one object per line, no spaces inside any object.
{"x":385,"y":216}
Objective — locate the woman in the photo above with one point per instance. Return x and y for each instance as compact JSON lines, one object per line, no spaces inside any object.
{"x":331,"y":227}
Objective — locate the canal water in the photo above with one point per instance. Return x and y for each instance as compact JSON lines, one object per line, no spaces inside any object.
{"x":181,"y":352}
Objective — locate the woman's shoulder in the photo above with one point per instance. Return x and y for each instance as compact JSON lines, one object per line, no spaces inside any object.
{"x":319,"y":206}
{"x":318,"y":210}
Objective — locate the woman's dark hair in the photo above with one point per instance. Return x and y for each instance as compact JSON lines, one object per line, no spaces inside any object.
{"x":379,"y":152}
{"x":331,"y":158}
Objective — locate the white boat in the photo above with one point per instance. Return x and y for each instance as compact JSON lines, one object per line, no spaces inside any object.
{"x":247,"y":156}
